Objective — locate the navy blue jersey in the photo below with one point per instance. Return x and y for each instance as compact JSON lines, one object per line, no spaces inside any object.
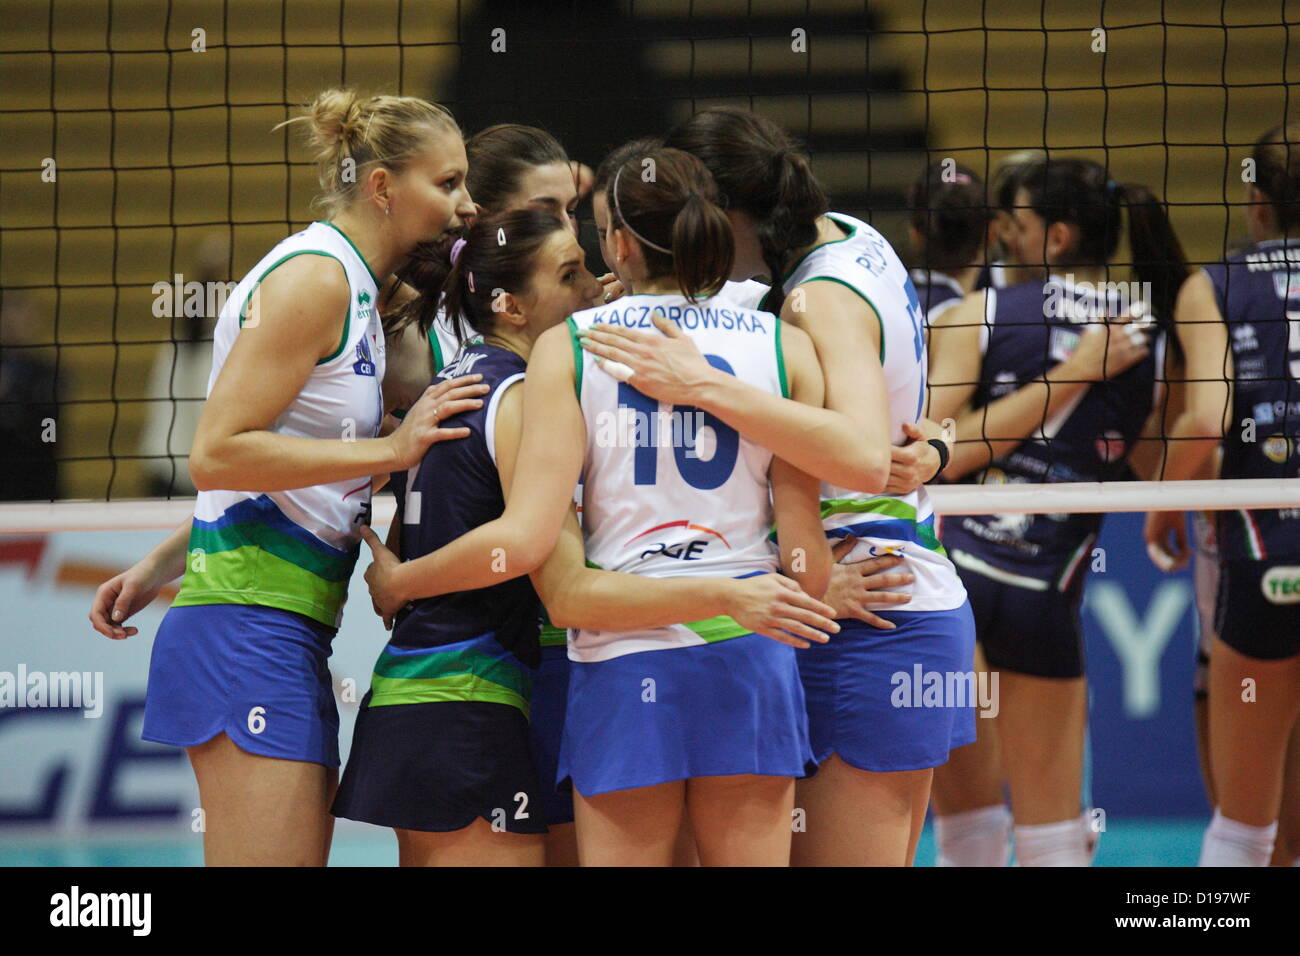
{"x":1259,"y":297}
{"x":1033,"y":327}
{"x":454,"y":489}
{"x":935,"y":290}
{"x":992,"y":276}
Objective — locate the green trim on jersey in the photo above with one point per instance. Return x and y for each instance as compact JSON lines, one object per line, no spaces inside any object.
{"x":250,"y":562}
{"x":780,"y":362}
{"x":326,"y":222}
{"x":884,"y":506}
{"x":577,"y":357}
{"x":347,"y":318}
{"x":714,"y":629}
{"x":853,"y":231}
{"x":458,"y":674}
{"x":258,"y":535}
{"x":552,"y":636}
{"x":891,"y":507}
{"x":438,"y":363}
{"x":925,"y":534}
{"x":280,"y":583}
{"x":865,"y":298}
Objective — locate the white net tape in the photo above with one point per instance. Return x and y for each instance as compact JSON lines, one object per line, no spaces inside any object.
{"x":1141,"y":496}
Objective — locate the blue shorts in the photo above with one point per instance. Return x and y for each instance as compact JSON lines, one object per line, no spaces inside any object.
{"x":546,"y":729}
{"x":708,"y":710}
{"x":866,"y":690}
{"x":259,"y":674}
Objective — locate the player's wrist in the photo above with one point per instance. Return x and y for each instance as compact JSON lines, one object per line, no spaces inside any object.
{"x":729,"y":593}
{"x":709,"y":392}
{"x":392,"y":455}
{"x":1067,"y":372}
{"x":943,"y":454}
{"x":400,"y":585}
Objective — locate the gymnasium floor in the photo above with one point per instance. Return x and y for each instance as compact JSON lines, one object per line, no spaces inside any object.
{"x":1165,"y":841}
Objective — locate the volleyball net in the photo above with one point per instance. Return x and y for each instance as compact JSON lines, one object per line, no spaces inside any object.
{"x":142,"y":177}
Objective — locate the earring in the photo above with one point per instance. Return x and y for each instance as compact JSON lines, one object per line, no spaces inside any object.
{"x":386,"y":209}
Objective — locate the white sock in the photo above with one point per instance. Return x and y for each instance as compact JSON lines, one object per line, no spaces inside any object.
{"x":980,"y":837}
{"x":1231,"y":843}
{"x":1052,"y":844}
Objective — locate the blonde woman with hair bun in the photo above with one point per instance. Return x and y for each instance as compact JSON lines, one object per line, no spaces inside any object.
{"x":284,"y":454}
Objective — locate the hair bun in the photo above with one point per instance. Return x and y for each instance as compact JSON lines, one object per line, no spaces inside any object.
{"x":335,"y":118}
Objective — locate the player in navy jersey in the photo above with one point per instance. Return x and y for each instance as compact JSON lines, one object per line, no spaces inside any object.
{"x":1005,"y":270}
{"x":1250,"y":303}
{"x":511,"y":167}
{"x":949,"y":234}
{"x":1049,"y":381}
{"x":441,"y":750}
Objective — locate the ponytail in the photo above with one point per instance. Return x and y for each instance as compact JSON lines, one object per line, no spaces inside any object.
{"x":675,"y":218}
{"x":791,"y":220}
{"x":1158,"y":256}
{"x":703,"y":247}
{"x":758,"y":172}
{"x":485,"y":266}
{"x":426,"y":270}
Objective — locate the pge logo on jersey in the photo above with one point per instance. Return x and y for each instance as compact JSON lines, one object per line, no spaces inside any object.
{"x":681,"y":550}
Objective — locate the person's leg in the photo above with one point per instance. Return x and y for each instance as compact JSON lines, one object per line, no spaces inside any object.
{"x":1201,"y":717}
{"x":972,"y":823}
{"x":475,"y":845}
{"x":1253,"y":707}
{"x":741,"y":819}
{"x":636,"y":827}
{"x":920,"y":803}
{"x":562,"y":845}
{"x":262,"y":811}
{"x":685,"y":852}
{"x":1286,"y":851}
{"x":1041,"y":728}
{"x":972,"y":777}
{"x":858,"y":817}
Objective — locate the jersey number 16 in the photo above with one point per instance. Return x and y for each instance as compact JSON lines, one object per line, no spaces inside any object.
{"x":696,"y":472}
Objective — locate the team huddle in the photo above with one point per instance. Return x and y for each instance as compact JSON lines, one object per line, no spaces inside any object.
{"x":663,"y":544}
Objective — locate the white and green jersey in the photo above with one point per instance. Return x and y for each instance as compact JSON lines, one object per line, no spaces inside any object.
{"x":445,"y":342}
{"x":296,"y":549}
{"x":750,"y":293}
{"x":864,"y":262}
{"x":670,"y":491}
